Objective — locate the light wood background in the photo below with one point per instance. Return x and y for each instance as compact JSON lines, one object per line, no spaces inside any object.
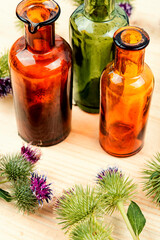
{"x":79,"y":158}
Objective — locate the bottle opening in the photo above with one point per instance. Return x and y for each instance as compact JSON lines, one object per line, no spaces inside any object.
{"x":131,"y":38}
{"x":37,"y":13}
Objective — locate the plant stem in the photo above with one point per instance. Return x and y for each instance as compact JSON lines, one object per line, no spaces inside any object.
{"x":124,"y":215}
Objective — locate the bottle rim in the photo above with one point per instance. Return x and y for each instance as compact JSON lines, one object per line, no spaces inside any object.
{"x":29,"y":4}
{"x":131,"y":38}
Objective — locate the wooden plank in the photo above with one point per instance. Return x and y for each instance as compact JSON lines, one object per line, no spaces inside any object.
{"x":79,"y":158}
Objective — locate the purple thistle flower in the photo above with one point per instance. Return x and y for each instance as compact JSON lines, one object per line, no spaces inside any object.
{"x":109,"y":171}
{"x":127,"y":8}
{"x":5,"y":86}
{"x":30,"y":154}
{"x":40,"y":188}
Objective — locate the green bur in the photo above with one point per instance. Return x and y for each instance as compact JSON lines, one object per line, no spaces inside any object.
{"x":91,"y":36}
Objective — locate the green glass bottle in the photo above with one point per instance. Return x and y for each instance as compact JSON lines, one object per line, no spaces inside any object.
{"x":92,"y":26}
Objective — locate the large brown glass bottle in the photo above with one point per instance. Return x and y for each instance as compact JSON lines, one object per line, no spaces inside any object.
{"x":126,"y":90}
{"x":41,"y":74}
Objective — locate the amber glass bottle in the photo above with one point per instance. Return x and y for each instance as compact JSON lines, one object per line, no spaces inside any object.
{"x":41,"y":75}
{"x":126,"y":90}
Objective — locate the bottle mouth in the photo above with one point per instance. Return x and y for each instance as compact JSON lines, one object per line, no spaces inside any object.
{"x":37,"y":13}
{"x":131,"y":38}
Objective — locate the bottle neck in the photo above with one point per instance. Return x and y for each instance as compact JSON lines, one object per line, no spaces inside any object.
{"x":129,"y":63}
{"x":99,"y":10}
{"x":42,"y":40}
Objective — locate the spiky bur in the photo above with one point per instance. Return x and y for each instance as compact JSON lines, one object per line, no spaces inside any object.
{"x":78,"y":205}
{"x":152,"y":178}
{"x":114,"y":187}
{"x":40,"y":188}
{"x":91,"y":230}
{"x":14,"y":167}
{"x":23,"y":196}
{"x":31,"y":154}
{"x":116,"y":190}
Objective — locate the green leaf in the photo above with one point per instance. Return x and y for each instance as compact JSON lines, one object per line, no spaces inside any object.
{"x":136,"y":218}
{"x":5,"y":195}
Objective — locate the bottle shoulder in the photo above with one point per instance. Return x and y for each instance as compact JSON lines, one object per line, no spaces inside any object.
{"x":79,"y":22}
{"x":21,"y":58}
{"x":131,"y":86}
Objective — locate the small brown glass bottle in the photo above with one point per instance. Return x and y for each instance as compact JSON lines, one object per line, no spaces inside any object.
{"x":41,"y":75}
{"x":126,"y":90}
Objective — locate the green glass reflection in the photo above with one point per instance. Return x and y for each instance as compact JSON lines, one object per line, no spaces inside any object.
{"x":92,"y":26}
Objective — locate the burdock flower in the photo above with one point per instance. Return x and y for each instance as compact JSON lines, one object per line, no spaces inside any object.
{"x":114,"y":187}
{"x":127,"y":8}
{"x":40,"y":188}
{"x":30,"y":154}
{"x":77,"y":206}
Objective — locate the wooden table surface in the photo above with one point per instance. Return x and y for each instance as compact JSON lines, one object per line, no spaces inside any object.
{"x":78,"y":159}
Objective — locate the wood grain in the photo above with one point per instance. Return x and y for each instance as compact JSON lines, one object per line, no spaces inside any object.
{"x":80,"y":157}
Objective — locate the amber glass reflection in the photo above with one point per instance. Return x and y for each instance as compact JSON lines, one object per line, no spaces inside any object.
{"x":41,"y":76}
{"x":126,"y":90}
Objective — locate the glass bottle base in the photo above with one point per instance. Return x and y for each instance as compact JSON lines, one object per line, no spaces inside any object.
{"x":87,"y":109}
{"x":51,"y":142}
{"x":122,"y":155}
